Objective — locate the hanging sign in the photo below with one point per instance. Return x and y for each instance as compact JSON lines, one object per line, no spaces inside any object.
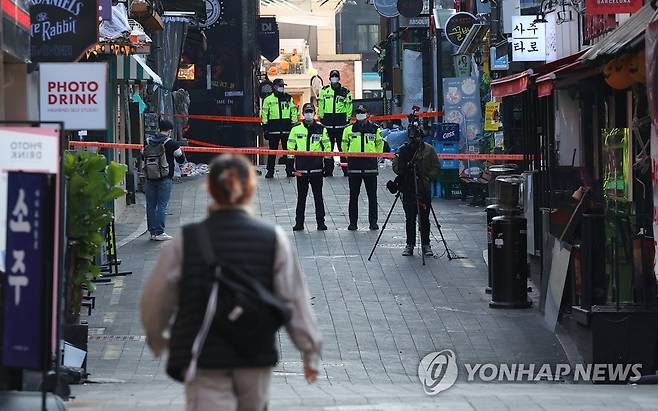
{"x":492,"y":116}
{"x":528,"y":39}
{"x":387,"y":8}
{"x":597,"y":7}
{"x":74,"y":93}
{"x":458,"y":26}
{"x":62,"y":30}
{"x":268,"y":37}
{"x":462,"y":64}
{"x":25,"y":297}
{"x":410,"y":8}
{"x":498,"y":64}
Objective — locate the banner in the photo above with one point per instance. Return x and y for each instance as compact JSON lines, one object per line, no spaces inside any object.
{"x":461,"y":102}
{"x":596,"y":7}
{"x":62,"y":30}
{"x":651,"y":49}
{"x":268,"y":37}
{"x":74,"y":93}
{"x":492,"y":116}
{"x":29,"y":243}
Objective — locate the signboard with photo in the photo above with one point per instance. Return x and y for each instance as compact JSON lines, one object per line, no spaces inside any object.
{"x":458,"y":26}
{"x":462,"y":106}
{"x":74,"y":93}
{"x":492,"y":116}
{"x":528,"y":39}
{"x":62,"y":30}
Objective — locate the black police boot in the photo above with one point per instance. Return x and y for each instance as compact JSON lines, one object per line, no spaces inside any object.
{"x":352,"y":227}
{"x":322,"y":226}
{"x":270,"y":174}
{"x":374,"y":226}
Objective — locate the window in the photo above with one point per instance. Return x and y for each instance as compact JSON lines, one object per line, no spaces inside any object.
{"x":367,"y":35}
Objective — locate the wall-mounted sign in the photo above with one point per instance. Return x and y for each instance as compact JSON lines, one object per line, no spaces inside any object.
{"x":500,"y":63}
{"x":458,"y":26}
{"x":461,"y":105}
{"x":387,"y":8}
{"x":492,"y":116}
{"x":598,"y":25}
{"x":214,"y":13}
{"x":410,"y":8}
{"x":448,"y":132}
{"x":62,"y":30}
{"x":26,"y":298}
{"x":595,"y":7}
{"x":528,"y":39}
{"x":268,"y":37}
{"x":462,"y":63}
{"x":416,"y":22}
{"x":74,"y":93}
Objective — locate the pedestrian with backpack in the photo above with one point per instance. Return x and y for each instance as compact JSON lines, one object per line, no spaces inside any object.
{"x":158,"y":158}
{"x":229,"y":283}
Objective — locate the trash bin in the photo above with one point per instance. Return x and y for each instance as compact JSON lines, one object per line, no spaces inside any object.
{"x":508,"y":256}
{"x":495,"y":171}
{"x":509,"y":276}
{"x":492,"y":210}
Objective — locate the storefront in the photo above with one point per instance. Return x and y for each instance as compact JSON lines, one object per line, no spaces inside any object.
{"x":583,"y":125}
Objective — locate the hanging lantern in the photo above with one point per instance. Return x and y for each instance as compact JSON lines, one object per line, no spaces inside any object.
{"x":637,"y":67}
{"x":616,"y":73}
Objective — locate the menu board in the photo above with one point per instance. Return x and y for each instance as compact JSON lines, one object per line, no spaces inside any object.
{"x":461,"y":101}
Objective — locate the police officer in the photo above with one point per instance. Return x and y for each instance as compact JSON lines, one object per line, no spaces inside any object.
{"x":278,"y":115}
{"x":335,"y":110}
{"x":363,"y":136}
{"x":309,"y":135}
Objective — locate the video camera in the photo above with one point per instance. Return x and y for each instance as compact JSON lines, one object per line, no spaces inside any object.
{"x":415,"y":128}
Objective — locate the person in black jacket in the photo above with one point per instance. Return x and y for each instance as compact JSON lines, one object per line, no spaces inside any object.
{"x":221,"y":373}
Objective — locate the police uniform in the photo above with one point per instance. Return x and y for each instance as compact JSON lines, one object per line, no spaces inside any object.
{"x":362,"y":137}
{"x":278,"y":116}
{"x":335,"y":111}
{"x":308,"y":137}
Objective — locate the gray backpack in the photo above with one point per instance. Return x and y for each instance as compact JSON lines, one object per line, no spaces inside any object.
{"x":156,"y":166}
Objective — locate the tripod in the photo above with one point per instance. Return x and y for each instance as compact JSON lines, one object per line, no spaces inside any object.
{"x":412,"y":164}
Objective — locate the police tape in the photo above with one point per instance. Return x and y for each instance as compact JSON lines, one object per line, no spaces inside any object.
{"x":260,"y":151}
{"x":250,"y":119}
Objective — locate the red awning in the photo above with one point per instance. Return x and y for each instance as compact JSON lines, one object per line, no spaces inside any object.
{"x":511,"y":85}
{"x":545,"y":83}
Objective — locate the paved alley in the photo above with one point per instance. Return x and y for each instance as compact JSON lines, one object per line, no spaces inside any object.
{"x":378,"y":318}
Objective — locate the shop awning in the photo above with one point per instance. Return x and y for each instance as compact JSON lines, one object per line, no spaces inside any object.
{"x":134,"y":68}
{"x":545,"y":83}
{"x":511,"y":85}
{"x":626,"y":37}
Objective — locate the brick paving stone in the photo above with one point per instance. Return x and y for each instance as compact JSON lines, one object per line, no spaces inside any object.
{"x":378,"y":318}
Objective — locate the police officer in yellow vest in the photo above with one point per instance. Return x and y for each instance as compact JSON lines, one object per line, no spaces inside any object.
{"x":278,"y":116}
{"x":335,"y":110}
{"x":363,"y":136}
{"x":309,"y":135}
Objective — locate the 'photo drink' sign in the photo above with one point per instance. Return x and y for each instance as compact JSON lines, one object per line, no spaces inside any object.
{"x":74,"y":93}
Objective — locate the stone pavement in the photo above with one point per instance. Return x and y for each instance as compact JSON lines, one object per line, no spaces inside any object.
{"x":378,"y":318}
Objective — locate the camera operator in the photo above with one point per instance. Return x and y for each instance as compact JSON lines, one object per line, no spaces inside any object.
{"x":418,"y":156}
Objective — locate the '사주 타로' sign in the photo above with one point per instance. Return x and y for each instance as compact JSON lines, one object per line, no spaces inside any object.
{"x":62,"y":30}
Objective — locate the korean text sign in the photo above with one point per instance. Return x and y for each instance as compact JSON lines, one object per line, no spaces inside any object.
{"x":528,"y":39}
{"x":74,"y":93}
{"x":23,"y":283}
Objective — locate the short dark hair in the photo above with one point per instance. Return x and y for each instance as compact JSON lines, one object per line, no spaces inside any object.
{"x":165,"y":125}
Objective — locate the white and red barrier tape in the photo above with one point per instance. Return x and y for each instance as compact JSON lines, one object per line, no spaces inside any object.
{"x":251,"y":119}
{"x":262,"y":151}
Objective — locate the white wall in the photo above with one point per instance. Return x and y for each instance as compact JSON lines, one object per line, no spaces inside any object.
{"x":567,"y":127}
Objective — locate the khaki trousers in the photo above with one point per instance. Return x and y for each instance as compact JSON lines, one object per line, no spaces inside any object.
{"x":238,"y":389}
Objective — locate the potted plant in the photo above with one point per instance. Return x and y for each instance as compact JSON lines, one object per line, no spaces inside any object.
{"x":92,"y":182}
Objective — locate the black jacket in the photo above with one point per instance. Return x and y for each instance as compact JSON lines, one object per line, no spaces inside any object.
{"x":241,"y":241}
